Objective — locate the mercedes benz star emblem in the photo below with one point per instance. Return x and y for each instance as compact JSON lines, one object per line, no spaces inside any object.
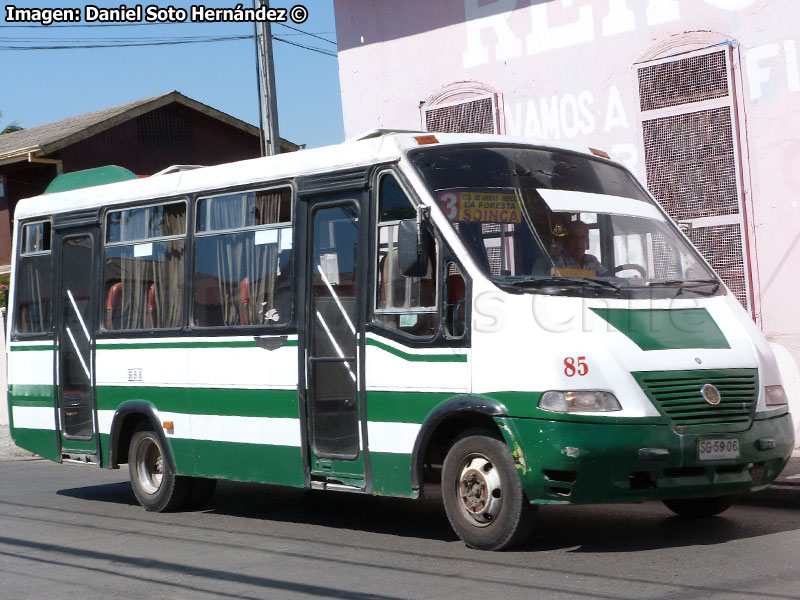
{"x":710,"y":394}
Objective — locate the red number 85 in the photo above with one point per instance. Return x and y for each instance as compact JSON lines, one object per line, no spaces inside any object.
{"x":574,"y":367}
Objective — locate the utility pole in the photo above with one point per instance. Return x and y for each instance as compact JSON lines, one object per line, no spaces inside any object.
{"x":267,"y":99}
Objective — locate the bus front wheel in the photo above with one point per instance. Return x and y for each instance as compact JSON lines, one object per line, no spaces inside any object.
{"x":483,"y":495}
{"x":154,"y":483}
{"x":698,"y":508}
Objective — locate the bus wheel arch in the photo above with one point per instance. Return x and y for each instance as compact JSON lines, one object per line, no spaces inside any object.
{"x":130,"y":417}
{"x":444,"y":426}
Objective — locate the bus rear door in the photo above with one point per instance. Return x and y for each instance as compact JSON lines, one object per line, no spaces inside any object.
{"x":75,"y":328}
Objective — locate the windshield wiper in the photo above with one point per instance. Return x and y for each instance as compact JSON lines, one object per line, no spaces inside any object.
{"x":561,"y":281}
{"x":689,"y":284}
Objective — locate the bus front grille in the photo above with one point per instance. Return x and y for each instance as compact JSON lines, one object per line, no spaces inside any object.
{"x":678,"y":396}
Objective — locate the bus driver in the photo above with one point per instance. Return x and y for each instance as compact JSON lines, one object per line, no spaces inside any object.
{"x":573,"y":253}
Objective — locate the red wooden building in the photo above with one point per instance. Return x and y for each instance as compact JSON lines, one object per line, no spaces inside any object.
{"x":144,"y":136}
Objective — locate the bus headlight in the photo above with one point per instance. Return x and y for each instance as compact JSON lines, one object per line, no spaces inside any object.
{"x":774,"y":395}
{"x":576,"y":402}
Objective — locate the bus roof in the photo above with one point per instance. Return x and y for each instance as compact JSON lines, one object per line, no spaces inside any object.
{"x":383,"y":146}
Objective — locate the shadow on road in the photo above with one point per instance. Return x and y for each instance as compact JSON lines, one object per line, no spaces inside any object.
{"x":115,"y":493}
{"x":595,"y":528}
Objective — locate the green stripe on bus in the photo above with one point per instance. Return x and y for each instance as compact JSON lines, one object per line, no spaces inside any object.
{"x":417,"y":357}
{"x":403,"y":407}
{"x":391,"y":474}
{"x":20,"y":394}
{"x":37,"y":347}
{"x":141,"y":346}
{"x":163,"y":398}
{"x":205,"y":401}
{"x":281,"y":465}
{"x":43,"y":442}
{"x":666,"y":329}
{"x":185,"y":345}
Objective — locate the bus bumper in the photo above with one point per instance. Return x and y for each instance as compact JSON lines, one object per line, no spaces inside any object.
{"x":561,"y":462}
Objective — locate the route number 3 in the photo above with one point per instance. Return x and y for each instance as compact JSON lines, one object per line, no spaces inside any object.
{"x":449,"y":204}
{"x":575,"y":366}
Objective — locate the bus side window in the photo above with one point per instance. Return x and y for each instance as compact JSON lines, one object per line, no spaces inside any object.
{"x":456,"y":303}
{"x":243,"y":259}
{"x":33,"y":279}
{"x":407,"y":304}
{"x":143,"y":269}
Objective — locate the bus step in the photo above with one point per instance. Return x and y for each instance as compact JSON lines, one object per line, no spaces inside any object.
{"x":335,"y":486}
{"x":79,"y":459}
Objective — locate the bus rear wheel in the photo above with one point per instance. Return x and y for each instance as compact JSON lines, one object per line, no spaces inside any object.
{"x":154,"y":483}
{"x":483,"y":495}
{"x":699,"y":508}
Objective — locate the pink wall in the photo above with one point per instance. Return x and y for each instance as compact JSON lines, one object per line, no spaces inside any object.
{"x":564,"y":70}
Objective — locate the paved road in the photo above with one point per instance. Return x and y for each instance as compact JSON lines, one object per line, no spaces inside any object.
{"x":69,"y":531}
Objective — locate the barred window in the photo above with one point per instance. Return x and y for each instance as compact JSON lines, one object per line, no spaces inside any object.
{"x":691,"y":157}
{"x":472,"y":116}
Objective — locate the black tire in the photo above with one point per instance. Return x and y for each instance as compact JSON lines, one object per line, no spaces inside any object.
{"x":700,"y":508}
{"x":479,"y":478}
{"x":200,"y":492}
{"x":154,"y":483}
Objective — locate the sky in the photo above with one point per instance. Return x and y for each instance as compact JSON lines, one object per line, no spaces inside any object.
{"x":41,"y":86}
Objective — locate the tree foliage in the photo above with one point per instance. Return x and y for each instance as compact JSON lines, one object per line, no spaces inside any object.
{"x":10,"y":127}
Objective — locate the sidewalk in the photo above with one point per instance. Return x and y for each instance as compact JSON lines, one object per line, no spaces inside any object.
{"x":7,"y":447}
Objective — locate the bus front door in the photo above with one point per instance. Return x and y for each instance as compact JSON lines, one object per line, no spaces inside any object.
{"x":74,"y":359}
{"x":330,"y":336}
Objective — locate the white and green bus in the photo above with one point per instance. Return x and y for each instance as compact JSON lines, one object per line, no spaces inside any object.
{"x":521,"y":324}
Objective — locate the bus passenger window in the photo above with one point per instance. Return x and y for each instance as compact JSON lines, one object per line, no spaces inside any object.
{"x":243,"y":260}
{"x":407,"y":304}
{"x":33,"y":279}
{"x":456,"y":303}
{"x":143,"y":269}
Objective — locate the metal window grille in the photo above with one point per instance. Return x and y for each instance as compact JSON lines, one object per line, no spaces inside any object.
{"x":676,"y":82}
{"x":665,"y":265}
{"x":472,"y":116}
{"x":495,"y":257}
{"x":691,"y":167}
{"x":490,"y":234}
{"x":691,"y":149}
{"x":722,"y":247}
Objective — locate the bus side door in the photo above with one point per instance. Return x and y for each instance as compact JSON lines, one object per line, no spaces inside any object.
{"x":75,"y":327}
{"x":331,"y":333}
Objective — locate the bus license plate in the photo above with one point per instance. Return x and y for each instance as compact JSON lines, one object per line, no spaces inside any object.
{"x":717,"y":449}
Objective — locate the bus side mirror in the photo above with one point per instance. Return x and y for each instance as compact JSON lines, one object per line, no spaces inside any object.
{"x":413,"y":241}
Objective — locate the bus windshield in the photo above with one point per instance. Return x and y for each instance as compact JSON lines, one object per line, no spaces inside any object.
{"x":549,"y":219}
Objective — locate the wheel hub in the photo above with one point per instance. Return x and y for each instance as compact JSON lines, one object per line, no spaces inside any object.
{"x":480,"y":490}
{"x":150,"y":467}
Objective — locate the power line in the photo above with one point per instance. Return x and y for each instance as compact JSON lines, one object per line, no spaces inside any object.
{"x":173,"y":42}
{"x":98,"y":25}
{"x":306,"y":33}
{"x":131,"y":43}
{"x":318,"y":34}
{"x":312,"y":48}
{"x":92,"y":40}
